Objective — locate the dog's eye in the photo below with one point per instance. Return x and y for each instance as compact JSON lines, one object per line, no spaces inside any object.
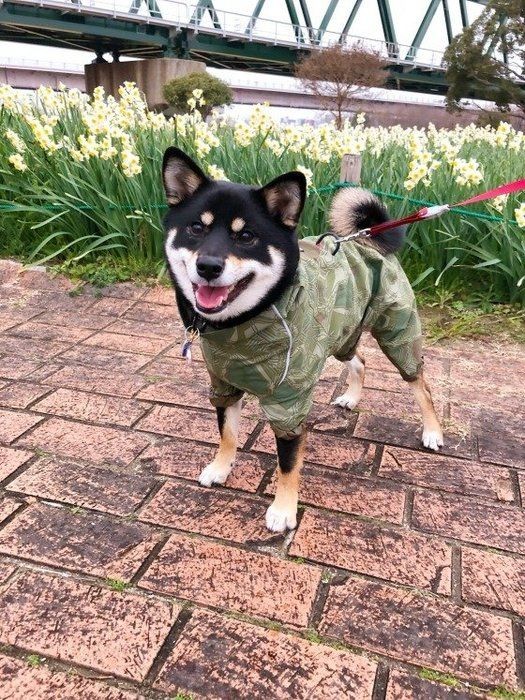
{"x":245,"y":236}
{"x":197,"y":228}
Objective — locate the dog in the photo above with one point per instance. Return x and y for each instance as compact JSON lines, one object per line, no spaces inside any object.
{"x":270,"y":309}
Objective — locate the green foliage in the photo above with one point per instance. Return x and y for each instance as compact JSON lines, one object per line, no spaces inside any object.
{"x":215,"y":92}
{"x":475,"y":58}
{"x":505,"y":694}
{"x":34,"y":660}
{"x":117,"y":585}
{"x":445,"y":678}
{"x":471,"y":318}
{"x":106,"y":270}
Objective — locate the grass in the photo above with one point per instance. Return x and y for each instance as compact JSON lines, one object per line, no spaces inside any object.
{"x":505,"y":694}
{"x":117,"y":585}
{"x":105,"y":271}
{"x":34,"y":660}
{"x":448,"y":679}
{"x":429,"y":674}
{"x":467,"y":319}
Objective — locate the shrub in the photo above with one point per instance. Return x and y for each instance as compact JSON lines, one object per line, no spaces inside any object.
{"x":215,"y":92}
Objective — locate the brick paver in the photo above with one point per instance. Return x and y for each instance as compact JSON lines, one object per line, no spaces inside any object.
{"x":70,"y":403}
{"x":394,"y":554}
{"x":21,"y":394}
{"x":500,"y":526}
{"x":96,"y":380}
{"x":86,"y":542}
{"x":8,"y":506}
{"x":494,"y":580}
{"x":168,"y":420}
{"x":447,"y":473}
{"x":254,"y":662}
{"x":422,"y":630}
{"x":223,"y":577}
{"x":20,"y":680}
{"x":112,"y":632}
{"x":211,"y":512}
{"x":402,"y":686}
{"x":121,"y":577}
{"x":6,"y":570}
{"x":90,"y":442}
{"x":11,"y":459}
{"x":90,"y":486}
{"x":13,"y":424}
{"x":332,"y":451}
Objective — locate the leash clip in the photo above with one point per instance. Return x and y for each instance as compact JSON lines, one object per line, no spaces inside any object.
{"x":191,"y":334}
{"x":433,"y":212}
{"x":364,"y":233}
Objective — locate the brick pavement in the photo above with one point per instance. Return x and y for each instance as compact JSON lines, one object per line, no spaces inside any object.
{"x":121,"y":578}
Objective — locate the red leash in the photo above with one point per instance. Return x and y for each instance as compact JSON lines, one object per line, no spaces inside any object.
{"x":432,"y":212}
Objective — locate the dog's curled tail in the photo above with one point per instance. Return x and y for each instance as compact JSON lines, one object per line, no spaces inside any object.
{"x":354,"y":209}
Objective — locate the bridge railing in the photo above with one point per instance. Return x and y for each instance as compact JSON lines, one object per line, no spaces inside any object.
{"x":235,"y":25}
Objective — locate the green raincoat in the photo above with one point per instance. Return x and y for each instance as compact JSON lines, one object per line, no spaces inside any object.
{"x":279,"y":355}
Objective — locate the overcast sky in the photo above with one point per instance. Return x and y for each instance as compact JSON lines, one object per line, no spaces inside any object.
{"x":407,"y":16}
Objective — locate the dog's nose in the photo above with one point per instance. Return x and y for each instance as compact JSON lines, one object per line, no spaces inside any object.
{"x":209,"y":267}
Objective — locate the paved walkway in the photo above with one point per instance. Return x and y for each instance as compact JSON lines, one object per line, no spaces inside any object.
{"x":121,"y":578}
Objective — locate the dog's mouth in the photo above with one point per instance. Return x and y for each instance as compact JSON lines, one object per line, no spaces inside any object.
{"x":214,"y":299}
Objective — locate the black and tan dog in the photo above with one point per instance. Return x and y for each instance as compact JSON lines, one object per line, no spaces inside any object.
{"x":271,"y":309}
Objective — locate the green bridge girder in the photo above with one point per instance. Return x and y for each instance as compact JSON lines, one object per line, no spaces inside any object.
{"x":140,"y":30}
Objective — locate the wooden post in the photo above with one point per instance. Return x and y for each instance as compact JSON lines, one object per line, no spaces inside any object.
{"x":351,"y":168}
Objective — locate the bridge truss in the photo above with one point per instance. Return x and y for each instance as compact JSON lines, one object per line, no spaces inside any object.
{"x":226,"y":39}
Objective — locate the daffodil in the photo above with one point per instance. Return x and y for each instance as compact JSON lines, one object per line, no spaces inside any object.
{"x":519,"y":215}
{"x":307,"y":173}
{"x":17,"y":161}
{"x":216,"y":173}
{"x":15,"y":140}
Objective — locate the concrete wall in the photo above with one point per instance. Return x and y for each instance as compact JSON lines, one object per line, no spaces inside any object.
{"x":407,"y":115}
{"x":378,"y":113}
{"x":27,"y":79}
{"x":149,"y":75}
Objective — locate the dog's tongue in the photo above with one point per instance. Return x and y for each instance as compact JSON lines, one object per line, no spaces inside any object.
{"x":210,"y":297}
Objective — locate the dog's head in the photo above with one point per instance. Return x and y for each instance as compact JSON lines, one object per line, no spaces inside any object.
{"x":231,"y":248}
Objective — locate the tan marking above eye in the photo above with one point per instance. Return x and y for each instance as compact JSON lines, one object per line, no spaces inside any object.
{"x":238,"y":224}
{"x":207,"y":218}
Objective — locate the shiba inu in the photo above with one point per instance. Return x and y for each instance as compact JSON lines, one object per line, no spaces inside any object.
{"x":270,"y":309}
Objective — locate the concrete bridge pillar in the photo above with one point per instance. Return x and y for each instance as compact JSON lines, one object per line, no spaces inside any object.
{"x":150,"y":76}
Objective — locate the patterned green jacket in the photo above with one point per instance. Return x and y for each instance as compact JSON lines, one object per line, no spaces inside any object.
{"x":279,"y":355}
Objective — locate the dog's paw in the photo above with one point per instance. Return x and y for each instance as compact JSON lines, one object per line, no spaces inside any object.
{"x":213,"y":474}
{"x":278,"y":520}
{"x":346,"y":401}
{"x":432,"y":439}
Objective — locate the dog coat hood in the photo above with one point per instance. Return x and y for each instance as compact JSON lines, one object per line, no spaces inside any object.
{"x":279,"y":355}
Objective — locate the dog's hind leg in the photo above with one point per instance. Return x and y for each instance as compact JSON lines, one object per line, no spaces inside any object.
{"x":217,"y":471}
{"x":282,"y":513}
{"x":432,"y":432}
{"x":356,"y":378}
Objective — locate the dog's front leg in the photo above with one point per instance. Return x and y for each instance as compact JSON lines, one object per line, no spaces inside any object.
{"x":217,"y":471}
{"x":282,"y":513}
{"x":432,"y":432}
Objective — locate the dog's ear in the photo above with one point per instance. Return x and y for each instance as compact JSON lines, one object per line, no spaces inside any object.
{"x":181,"y":176}
{"x":285,"y":196}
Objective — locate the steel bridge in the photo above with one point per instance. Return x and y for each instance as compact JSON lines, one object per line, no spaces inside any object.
{"x":244,"y":41}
